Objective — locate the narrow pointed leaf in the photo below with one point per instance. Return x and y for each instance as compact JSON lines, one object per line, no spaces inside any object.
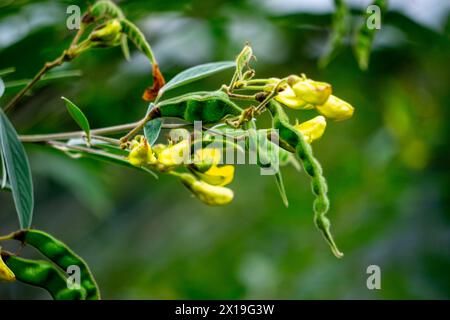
{"x":196,"y":73}
{"x":18,"y":170}
{"x":79,"y":117}
{"x":152,"y":128}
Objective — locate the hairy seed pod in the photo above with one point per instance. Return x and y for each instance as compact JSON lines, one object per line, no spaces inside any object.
{"x":208,"y":107}
{"x":340,"y":30}
{"x":106,"y":8}
{"x":43,"y":274}
{"x":295,"y":139}
{"x":62,"y":256}
{"x":366,"y":34}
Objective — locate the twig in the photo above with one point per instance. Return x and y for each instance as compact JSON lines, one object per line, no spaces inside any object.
{"x":47,"y":66}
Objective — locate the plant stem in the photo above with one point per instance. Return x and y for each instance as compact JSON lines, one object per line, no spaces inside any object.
{"x":76,"y":134}
{"x":155,"y":113}
{"x":47,"y":66}
{"x":95,"y":133}
{"x":256,"y":88}
{"x":8,"y":236}
{"x":62,"y":146}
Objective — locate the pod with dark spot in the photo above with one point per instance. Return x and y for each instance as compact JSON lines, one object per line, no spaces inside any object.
{"x":45,"y":275}
{"x":62,"y":256}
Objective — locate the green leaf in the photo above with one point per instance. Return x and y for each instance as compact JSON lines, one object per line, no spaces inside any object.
{"x":18,"y":170}
{"x":152,"y":128}
{"x":196,"y":73}
{"x":2,"y":88}
{"x":79,"y":117}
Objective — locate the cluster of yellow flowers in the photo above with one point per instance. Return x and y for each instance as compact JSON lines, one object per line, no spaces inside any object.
{"x":301,"y":93}
{"x":206,"y":178}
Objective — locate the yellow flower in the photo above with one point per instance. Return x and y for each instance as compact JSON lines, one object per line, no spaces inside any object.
{"x":336,"y":109}
{"x":209,"y":194}
{"x":6,"y":275}
{"x":141,"y":152}
{"x":217,"y":176}
{"x":205,"y":167}
{"x":312,"y":91}
{"x":290,"y":99}
{"x":175,"y":155}
{"x":312,"y":129}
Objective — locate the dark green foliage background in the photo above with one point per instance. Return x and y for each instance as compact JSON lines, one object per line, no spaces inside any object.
{"x":387,"y":167}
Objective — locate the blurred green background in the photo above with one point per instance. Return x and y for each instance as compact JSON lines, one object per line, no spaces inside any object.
{"x":387,"y":167}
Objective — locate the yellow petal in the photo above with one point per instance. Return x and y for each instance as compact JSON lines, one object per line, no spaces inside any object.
{"x":141,"y":152}
{"x":6,"y":275}
{"x":218,"y":176}
{"x":175,"y":155}
{"x":312,"y":129}
{"x":209,"y":194}
{"x":312,"y":91}
{"x":336,"y":109}
{"x":289,"y":99}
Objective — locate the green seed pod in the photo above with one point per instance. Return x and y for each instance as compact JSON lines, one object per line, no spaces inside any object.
{"x":366,"y":34}
{"x":44,"y":275}
{"x":340,"y":30}
{"x":62,"y":256}
{"x":289,"y":135}
{"x":137,"y":37}
{"x":208,"y":107}
{"x":105,"y":8}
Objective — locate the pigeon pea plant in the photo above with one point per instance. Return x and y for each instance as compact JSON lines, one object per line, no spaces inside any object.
{"x":228,"y":118}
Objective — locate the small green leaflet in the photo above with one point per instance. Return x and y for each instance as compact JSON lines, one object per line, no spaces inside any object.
{"x":18,"y":170}
{"x":196,"y":73}
{"x":152,"y":128}
{"x":79,"y":117}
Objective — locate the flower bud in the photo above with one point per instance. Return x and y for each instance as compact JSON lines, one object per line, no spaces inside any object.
{"x":289,"y":99}
{"x":312,"y":91}
{"x":175,"y":155}
{"x":6,"y":275}
{"x":336,"y":109}
{"x":108,"y":35}
{"x":209,"y":194}
{"x":312,"y":129}
{"x":141,"y":152}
